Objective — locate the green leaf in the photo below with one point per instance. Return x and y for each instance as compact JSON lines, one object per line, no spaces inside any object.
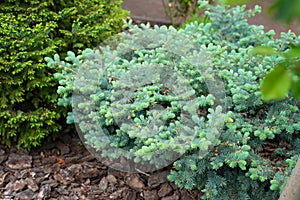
{"x":293,"y":53}
{"x":242,"y":164}
{"x":245,"y":147}
{"x":235,"y":2}
{"x":263,"y":50}
{"x":276,"y":83}
{"x":296,"y":86}
{"x":285,"y":10}
{"x":193,"y":167}
{"x":232,"y":164}
{"x":274,"y":184}
{"x":56,"y":58}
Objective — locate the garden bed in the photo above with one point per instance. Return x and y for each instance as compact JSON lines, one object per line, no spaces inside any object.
{"x":66,"y":170}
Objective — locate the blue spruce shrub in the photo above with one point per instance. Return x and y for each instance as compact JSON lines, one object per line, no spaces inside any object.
{"x":259,"y":143}
{"x":142,"y":99}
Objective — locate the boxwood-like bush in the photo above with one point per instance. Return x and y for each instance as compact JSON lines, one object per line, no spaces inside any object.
{"x":117,"y":93}
{"x":31,"y":30}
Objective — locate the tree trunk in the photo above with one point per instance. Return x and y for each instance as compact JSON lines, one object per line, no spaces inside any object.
{"x":292,"y":188}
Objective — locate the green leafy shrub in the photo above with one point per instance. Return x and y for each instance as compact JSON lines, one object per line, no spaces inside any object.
{"x":31,"y":30}
{"x":259,"y":144}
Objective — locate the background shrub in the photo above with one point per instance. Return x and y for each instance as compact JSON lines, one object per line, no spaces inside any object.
{"x":259,"y":144}
{"x":31,"y":30}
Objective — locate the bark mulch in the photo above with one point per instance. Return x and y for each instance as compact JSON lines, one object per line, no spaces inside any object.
{"x":64,"y":169}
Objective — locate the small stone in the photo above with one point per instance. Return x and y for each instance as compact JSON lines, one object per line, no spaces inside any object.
{"x":135,"y":182}
{"x":165,"y":190}
{"x":103,"y":184}
{"x":111,"y":179}
{"x":16,"y":161}
{"x":150,"y":195}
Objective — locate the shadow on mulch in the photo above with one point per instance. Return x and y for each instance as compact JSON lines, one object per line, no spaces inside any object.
{"x":66,"y":170}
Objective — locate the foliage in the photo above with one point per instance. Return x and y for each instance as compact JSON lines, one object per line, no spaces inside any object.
{"x":129,"y":88}
{"x":179,"y":8}
{"x":31,"y":30}
{"x":286,"y":11}
{"x":259,"y":144}
{"x":185,"y":10}
{"x":286,"y":76}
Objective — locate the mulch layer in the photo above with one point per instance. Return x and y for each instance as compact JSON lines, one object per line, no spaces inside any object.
{"x":64,"y":169}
